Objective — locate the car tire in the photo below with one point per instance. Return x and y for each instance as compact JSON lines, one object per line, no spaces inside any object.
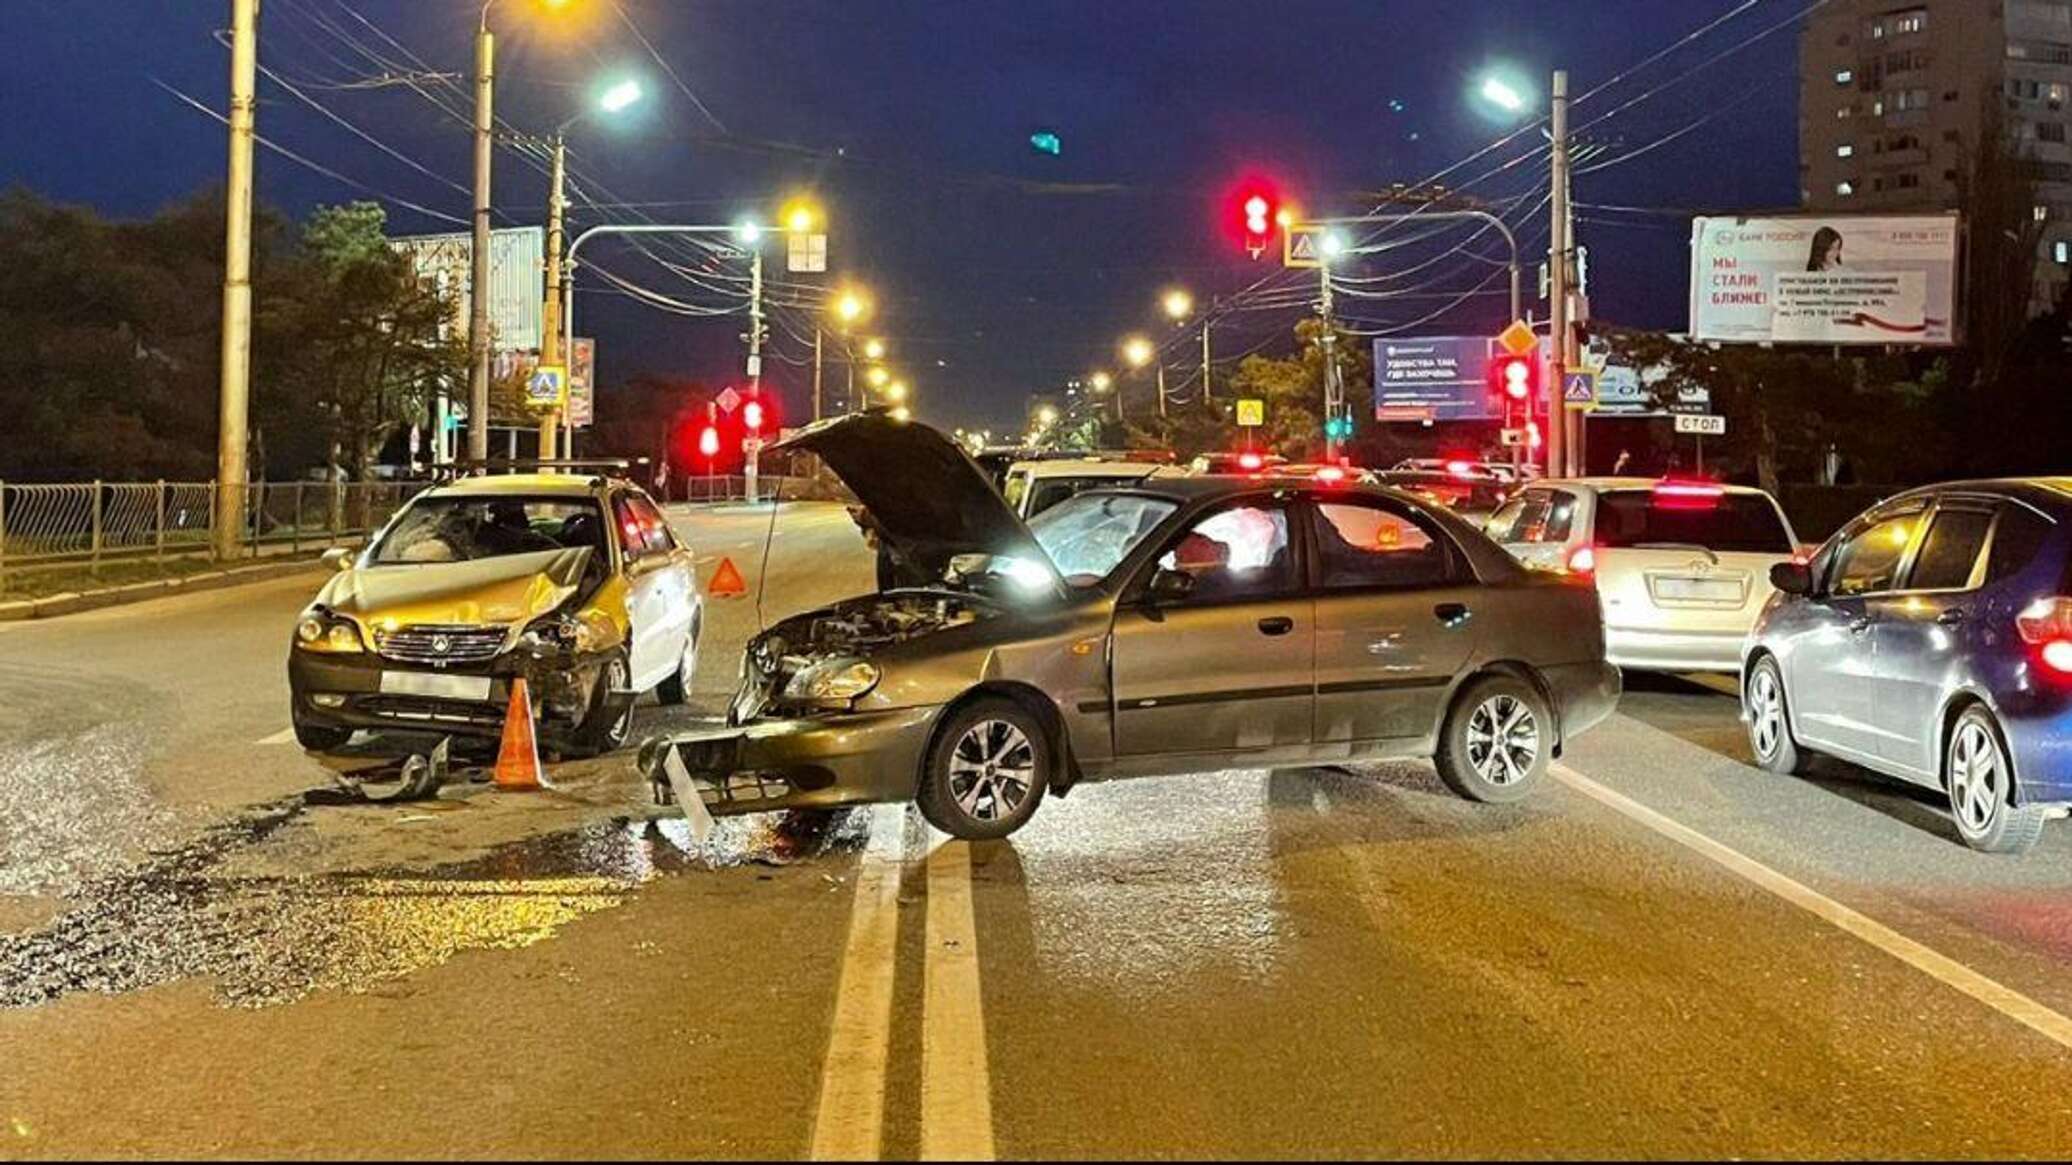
{"x":1497,"y":740}
{"x":321,"y":737}
{"x":605,"y":728}
{"x":1767,"y":710}
{"x":987,"y":770}
{"x":677,"y":688}
{"x":1979,"y":778}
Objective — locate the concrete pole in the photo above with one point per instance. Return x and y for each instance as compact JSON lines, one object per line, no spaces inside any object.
{"x":478,"y":282}
{"x":816,"y":372}
{"x":1557,"y":290}
{"x":1205,"y":359}
{"x":1328,"y":340}
{"x":234,"y":410}
{"x":552,"y":354}
{"x":752,"y":446}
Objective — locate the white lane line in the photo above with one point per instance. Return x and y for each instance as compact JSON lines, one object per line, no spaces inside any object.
{"x":849,"y":1125}
{"x":2001,"y":998}
{"x":284,"y":736}
{"x":956,"y":1092}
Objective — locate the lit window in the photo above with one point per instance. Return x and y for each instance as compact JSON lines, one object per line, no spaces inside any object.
{"x":2041,"y":212}
{"x":1844,"y":76}
{"x":1845,"y":112}
{"x":1845,"y":150}
{"x":1845,"y":188}
{"x":2061,"y":252}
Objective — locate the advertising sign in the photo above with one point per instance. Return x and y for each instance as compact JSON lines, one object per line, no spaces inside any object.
{"x":517,"y":256}
{"x":1833,"y":279}
{"x":1441,"y":378}
{"x":582,"y":371}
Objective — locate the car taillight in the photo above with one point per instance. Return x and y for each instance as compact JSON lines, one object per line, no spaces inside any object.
{"x":1459,"y":468}
{"x":1250,"y":461}
{"x":1582,"y":560}
{"x":2047,"y":623}
{"x":1330,"y":473}
{"x":1687,"y":495}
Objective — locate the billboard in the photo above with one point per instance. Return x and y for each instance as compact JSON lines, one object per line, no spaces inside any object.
{"x":582,"y":382}
{"x":1438,"y":378}
{"x":1832,"y":279}
{"x":517,"y":257}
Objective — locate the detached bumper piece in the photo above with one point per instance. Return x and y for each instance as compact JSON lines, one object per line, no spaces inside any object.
{"x":822,"y":762}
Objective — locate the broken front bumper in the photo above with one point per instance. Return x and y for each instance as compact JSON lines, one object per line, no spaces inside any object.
{"x":807,"y":763}
{"x":345,"y":691}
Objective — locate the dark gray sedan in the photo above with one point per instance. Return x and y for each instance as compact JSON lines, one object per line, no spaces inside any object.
{"x":1180,"y":625}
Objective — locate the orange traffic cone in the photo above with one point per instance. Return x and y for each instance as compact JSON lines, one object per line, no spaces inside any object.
{"x":518,"y":760}
{"x":727,"y":582}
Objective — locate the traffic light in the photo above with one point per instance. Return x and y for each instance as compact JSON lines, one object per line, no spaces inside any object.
{"x":1255,"y":211}
{"x":1339,"y":428}
{"x":708,"y":442}
{"x":1515,"y":377}
{"x":752,"y":417}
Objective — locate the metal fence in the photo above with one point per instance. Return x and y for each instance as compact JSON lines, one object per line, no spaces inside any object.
{"x":703,"y":490}
{"x":90,"y":523}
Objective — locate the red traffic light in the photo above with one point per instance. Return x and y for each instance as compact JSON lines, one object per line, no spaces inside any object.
{"x":708,"y":442}
{"x":752,"y":416}
{"x":1514,"y":377}
{"x":1253,"y":212}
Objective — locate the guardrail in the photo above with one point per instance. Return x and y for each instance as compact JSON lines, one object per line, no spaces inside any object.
{"x":91,"y":523}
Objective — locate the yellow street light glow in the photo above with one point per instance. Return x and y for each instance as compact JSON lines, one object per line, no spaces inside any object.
{"x":877,"y":377}
{"x":800,"y":215}
{"x":1100,"y":381}
{"x":874,"y":349}
{"x":902,"y":414}
{"x":1138,"y":351}
{"x":850,"y":306}
{"x":1178,"y":304}
{"x":896,"y":391}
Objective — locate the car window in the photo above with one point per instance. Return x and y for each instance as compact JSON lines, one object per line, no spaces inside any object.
{"x":462,"y":529}
{"x":1370,"y":546}
{"x":1867,"y":562}
{"x":1692,"y":516}
{"x":2016,"y":540}
{"x":1540,"y":515}
{"x":1046,"y":492}
{"x":1017,"y":485}
{"x":1088,"y":536}
{"x":1950,"y":550}
{"x":654,"y":527}
{"x":1234,"y":554}
{"x":633,"y":541}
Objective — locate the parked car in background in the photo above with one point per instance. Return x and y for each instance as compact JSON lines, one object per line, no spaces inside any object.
{"x":1035,"y":486}
{"x":1472,"y":497}
{"x":1459,"y":467}
{"x":573,"y":582}
{"x":1243,"y":462}
{"x":1683,"y":567}
{"x":1175,"y":625}
{"x":1931,"y":640}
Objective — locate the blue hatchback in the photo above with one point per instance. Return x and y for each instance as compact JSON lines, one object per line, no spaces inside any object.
{"x":1931,"y":640}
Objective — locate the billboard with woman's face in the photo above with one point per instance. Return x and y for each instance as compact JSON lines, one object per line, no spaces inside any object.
{"x":1833,"y":279}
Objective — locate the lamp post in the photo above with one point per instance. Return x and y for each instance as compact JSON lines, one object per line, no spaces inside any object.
{"x":235,"y":388}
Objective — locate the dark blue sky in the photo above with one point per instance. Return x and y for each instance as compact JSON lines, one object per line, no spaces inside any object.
{"x":1013,"y":269}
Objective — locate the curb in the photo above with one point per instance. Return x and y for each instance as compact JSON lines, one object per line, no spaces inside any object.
{"x":72,"y":602}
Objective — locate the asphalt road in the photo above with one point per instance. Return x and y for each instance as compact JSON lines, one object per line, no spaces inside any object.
{"x":1666,"y":953}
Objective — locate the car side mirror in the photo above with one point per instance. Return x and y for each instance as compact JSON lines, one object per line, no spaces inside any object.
{"x":1169,"y":586}
{"x":340,"y":557}
{"x":1793,"y":578}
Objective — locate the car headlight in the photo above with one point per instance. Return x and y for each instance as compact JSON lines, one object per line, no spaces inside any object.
{"x":840,"y":679}
{"x":590,"y":631}
{"x":323,"y":631}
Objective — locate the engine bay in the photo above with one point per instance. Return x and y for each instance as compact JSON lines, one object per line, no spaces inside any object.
{"x":856,"y":627}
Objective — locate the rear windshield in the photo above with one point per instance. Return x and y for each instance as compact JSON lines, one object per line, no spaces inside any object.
{"x":1728,"y":521}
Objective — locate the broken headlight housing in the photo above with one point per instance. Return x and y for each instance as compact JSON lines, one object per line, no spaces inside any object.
{"x":838,"y":680}
{"x":587,"y":632}
{"x":320,"y":630}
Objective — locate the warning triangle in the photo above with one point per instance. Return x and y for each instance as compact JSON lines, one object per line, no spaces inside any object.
{"x":727,"y":582}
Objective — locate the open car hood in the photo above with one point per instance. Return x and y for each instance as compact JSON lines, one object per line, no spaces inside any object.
{"x":930,"y":500}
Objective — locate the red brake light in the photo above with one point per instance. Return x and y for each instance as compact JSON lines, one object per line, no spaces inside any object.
{"x":1582,"y":560}
{"x":1459,"y":468}
{"x":2048,"y":622}
{"x":1250,"y":461}
{"x":1687,"y":495}
{"x":2057,"y":656}
{"x":1330,"y":473}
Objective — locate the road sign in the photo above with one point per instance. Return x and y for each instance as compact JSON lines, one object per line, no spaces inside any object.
{"x":1579,"y":388}
{"x":728,"y":400}
{"x":1302,"y":245}
{"x":806,"y":254}
{"x":1701,"y":424}
{"x":1251,"y":413}
{"x":546,"y":387}
{"x":1518,"y":339}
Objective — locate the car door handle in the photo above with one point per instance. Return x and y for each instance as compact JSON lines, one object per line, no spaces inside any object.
{"x":1952,"y":617}
{"x":1451,"y":614}
{"x":1276,"y":625}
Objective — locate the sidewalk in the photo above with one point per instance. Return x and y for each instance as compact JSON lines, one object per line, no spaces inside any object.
{"x":66,"y":602}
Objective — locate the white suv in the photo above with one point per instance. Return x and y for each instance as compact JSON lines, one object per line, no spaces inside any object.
{"x":1682,"y":567}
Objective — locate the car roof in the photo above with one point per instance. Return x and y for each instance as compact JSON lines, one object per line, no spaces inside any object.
{"x":529,"y":484}
{"x":1607,"y":484}
{"x":2055,"y":492}
{"x":1087,"y":467}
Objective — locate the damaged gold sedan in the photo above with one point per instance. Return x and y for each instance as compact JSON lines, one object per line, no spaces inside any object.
{"x":573,"y":582}
{"x":1170,"y":626}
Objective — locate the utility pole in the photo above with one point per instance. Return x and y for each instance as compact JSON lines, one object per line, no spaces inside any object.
{"x":752,"y":446}
{"x":1558,"y":460}
{"x":816,"y":372}
{"x":236,"y":392}
{"x":478,"y":282}
{"x":1334,"y":391}
{"x":1161,"y":388}
{"x":1205,"y":357}
{"x":552,"y":353}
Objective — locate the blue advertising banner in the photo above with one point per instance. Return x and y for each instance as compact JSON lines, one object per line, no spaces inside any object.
{"x":1436,"y":378}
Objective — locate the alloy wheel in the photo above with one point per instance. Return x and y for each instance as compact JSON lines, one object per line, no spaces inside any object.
{"x":1765,"y":712}
{"x":1503,"y":739}
{"x":992,"y":770}
{"x":1977,"y":777}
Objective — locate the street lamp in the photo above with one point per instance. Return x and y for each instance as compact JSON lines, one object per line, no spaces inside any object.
{"x":1046,"y":416}
{"x":1137,"y":351}
{"x":896,"y":391}
{"x":877,"y":376}
{"x":874,"y":349}
{"x":1100,"y":381}
{"x":619,"y":96}
{"x":1178,"y":305}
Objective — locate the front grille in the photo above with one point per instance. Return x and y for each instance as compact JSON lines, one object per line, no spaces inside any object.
{"x":431,"y":643}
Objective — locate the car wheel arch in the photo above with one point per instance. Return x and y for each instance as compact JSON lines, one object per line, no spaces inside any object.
{"x":1961,"y":701}
{"x":1033,"y":701}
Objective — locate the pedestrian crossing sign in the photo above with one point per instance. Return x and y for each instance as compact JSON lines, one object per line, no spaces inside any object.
{"x":547,"y":387}
{"x":1302,"y":245}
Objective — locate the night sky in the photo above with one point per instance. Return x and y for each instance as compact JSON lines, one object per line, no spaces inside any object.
{"x":998,"y":270}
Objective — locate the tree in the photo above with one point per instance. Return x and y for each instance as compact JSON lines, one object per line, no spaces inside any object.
{"x":375,"y":340}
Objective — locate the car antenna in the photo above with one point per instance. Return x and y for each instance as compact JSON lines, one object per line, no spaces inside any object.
{"x":762,"y":577}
